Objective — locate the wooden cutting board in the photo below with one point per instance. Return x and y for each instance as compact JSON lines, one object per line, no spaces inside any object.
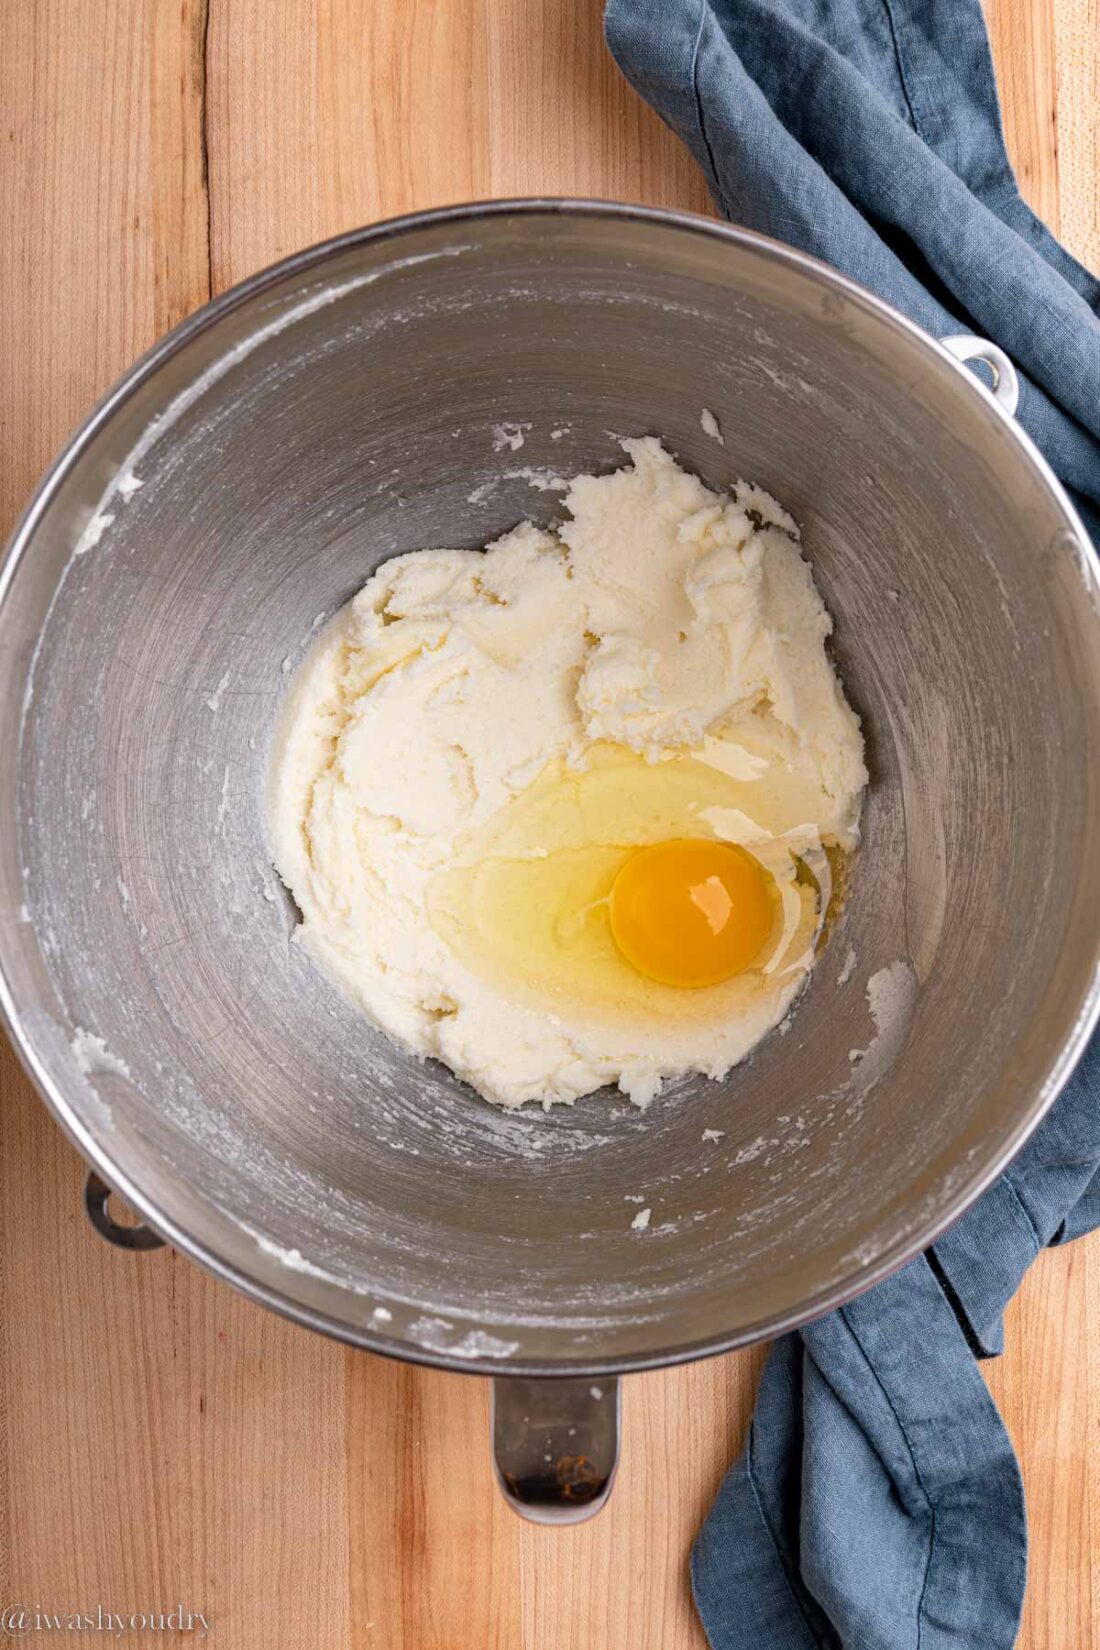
{"x":161,"y":1440}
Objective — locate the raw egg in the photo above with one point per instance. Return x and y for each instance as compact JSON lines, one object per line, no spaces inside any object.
{"x":692,"y":913}
{"x":661,"y":893}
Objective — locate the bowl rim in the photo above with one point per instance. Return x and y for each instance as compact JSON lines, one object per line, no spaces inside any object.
{"x":99,"y":1158}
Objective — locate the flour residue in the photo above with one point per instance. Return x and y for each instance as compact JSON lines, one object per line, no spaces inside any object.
{"x":95,"y":1058}
{"x":223,"y":800}
{"x":510,"y":435}
{"x":891,"y":998}
{"x":436,"y":1334}
{"x":540,"y":477}
{"x":94,"y":531}
{"x":711,"y":426}
{"x":213,"y":700}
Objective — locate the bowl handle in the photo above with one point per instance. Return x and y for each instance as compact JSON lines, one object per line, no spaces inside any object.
{"x":96,"y":1196}
{"x":1006,"y":385}
{"x":556,"y":1445}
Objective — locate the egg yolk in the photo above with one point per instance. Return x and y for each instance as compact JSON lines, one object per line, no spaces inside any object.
{"x":692,"y":913}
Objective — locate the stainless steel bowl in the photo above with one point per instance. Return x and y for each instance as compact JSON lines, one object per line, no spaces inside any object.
{"x":341,"y":407}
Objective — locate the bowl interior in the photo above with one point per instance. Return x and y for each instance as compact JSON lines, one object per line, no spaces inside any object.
{"x":343,"y":409}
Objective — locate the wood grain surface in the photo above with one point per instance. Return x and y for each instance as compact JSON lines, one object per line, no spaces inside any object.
{"x":161,"y":1440}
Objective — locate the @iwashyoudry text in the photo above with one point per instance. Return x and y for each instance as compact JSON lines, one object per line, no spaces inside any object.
{"x":20,"y":1620}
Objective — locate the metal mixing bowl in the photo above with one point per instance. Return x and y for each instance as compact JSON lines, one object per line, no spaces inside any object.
{"x":341,"y":407}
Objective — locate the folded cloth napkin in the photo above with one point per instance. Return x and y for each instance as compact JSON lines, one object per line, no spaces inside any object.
{"x":868,"y":133}
{"x":878,"y":1504}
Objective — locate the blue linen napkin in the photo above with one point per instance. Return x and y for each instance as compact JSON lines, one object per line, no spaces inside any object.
{"x":868,"y":133}
{"x":878,"y":1504}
